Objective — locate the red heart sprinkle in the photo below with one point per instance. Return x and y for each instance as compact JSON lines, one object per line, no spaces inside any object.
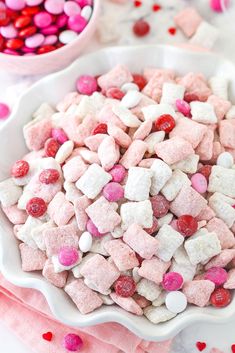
{"x":47,"y":336}
{"x":137,"y":3}
{"x":172,"y":30}
{"x":233,"y":348}
{"x":201,"y":346}
{"x":156,"y":7}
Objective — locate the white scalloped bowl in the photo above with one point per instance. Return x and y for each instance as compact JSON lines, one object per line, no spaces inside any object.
{"x":52,"y":89}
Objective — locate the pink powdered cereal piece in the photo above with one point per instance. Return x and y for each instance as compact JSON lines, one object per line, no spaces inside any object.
{"x":143,"y":130}
{"x":128,"y":304}
{"x":70,"y":126}
{"x":57,"y":237}
{"x":85,"y":299}
{"x":31,"y":156}
{"x":88,"y":156}
{"x":149,"y":72}
{"x":60,"y":209}
{"x":227,"y":133}
{"x":134,"y":154}
{"x":217,"y":275}
{"x":206,"y":214}
{"x":217,"y":150}
{"x":154,"y":269}
{"x":230,"y":283}
{"x":199,"y":183}
{"x":198,"y":292}
{"x":36,"y":134}
{"x":205,"y":147}
{"x":116,"y":77}
{"x":105,"y":273}
{"x":57,"y":279}
{"x":93,"y":142}
{"x":184,"y":128}
{"x":173,"y":150}
{"x":84,"y":129}
{"x":195,"y":84}
{"x":74,"y":169}
{"x":120,"y":137}
{"x":221,"y":260}
{"x":140,"y":241}
{"x":221,"y":106}
{"x":224,"y":234}
{"x":188,"y":20}
{"x":147,"y":163}
{"x":42,"y":190}
{"x":103,"y":215}
{"x":118,"y":173}
{"x":15,"y":215}
{"x":32,"y":259}
{"x":107,"y":116}
{"x":68,"y":100}
{"x":188,"y":202}
{"x":122,"y":255}
{"x":141,"y":301}
{"x":80,"y":206}
{"x":107,"y":153}
{"x":153,"y":89}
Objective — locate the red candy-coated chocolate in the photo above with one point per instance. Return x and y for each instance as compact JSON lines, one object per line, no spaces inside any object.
{"x":220,"y":298}
{"x":49,"y":176}
{"x":4,"y":18}
{"x":51,"y":147}
{"x":20,"y":169}
{"x":156,"y":7}
{"x":115,"y":93}
{"x":139,"y":80}
{"x":46,"y":49}
{"x":27,"y":32}
{"x":36,"y":207}
{"x":165,"y":123}
{"x":125,"y":286}
{"x":22,"y":21}
{"x":190,"y":97}
{"x":187,"y":225}
{"x":14,"y":43}
{"x":30,"y":10}
{"x":206,"y":171}
{"x":100,"y":129}
{"x":160,"y":205}
{"x":2,"y":42}
{"x":12,"y":14}
{"x":141,"y":28}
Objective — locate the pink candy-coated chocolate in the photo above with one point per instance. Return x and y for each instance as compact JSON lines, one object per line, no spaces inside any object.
{"x":219,"y":5}
{"x":10,"y":52}
{"x":59,"y":135}
{"x":33,"y":2}
{"x":77,"y":23}
{"x":62,"y":20}
{"x":183,"y":107}
{"x":118,"y":173}
{"x":4,"y":111}
{"x":71,"y":8}
{"x":83,"y":3}
{"x":15,"y":4}
{"x":217,"y":275}
{"x":68,"y":256}
{"x":34,"y":41}
{"x":113,"y":192}
{"x":50,"y":40}
{"x":86,"y":84}
{"x":199,"y":183}
{"x":9,"y":31}
{"x":42,"y":19}
{"x":28,"y":50}
{"x":172,"y":281}
{"x":91,"y":228}
{"x":72,"y":342}
{"x":53,"y":29}
{"x":54,"y":7}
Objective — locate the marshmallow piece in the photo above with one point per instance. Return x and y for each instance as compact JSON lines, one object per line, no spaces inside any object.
{"x":93,"y":180}
{"x":157,"y":315}
{"x":173,"y":186}
{"x":226,"y":237}
{"x":133,"y":154}
{"x":161,"y":173}
{"x":188,"y":201}
{"x":148,"y":289}
{"x":122,"y":255}
{"x":169,"y":241}
{"x":203,"y":112}
{"x":222,"y":208}
{"x":131,"y":99}
{"x":222,"y":180}
{"x":127,"y":304}
{"x":72,"y":193}
{"x":205,"y":36}
{"x":153,"y":111}
{"x":198,"y":292}
{"x":58,"y":267}
{"x":171,"y":92}
{"x":188,"y":20}
{"x":32,"y":259}
{"x":231,"y":113}
{"x":219,"y":86}
{"x":176,"y":302}
{"x":98,"y":244}
{"x":108,"y":159}
{"x":9,"y":193}
{"x":140,"y":241}
{"x":130,"y":86}
{"x":64,"y":151}
{"x":138,"y":184}
{"x":173,"y":150}
{"x":202,"y":248}
{"x":154,"y":269}
{"x":85,"y":242}
{"x":153,"y":139}
{"x":188,"y":165}
{"x":126,"y":116}
{"x":137,"y":212}
{"x":25,"y":232}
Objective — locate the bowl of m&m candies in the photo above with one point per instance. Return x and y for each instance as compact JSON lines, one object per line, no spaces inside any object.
{"x":41,"y":36}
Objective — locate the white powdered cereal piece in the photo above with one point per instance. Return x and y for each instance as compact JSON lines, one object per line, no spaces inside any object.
{"x":129,"y":86}
{"x":24,"y":198}
{"x":222,"y":180}
{"x":91,"y":285}
{"x":58,"y":267}
{"x":36,"y":234}
{"x":76,"y":270}
{"x":175,"y":184}
{"x":126,"y":116}
{"x":205,"y":36}
{"x":169,"y":241}
{"x":153,"y":111}
{"x":187,"y":271}
{"x":137,"y":212}
{"x":138,"y":184}
{"x":219,"y":86}
{"x":44,"y":111}
{"x":171,"y":92}
{"x":117,"y":232}
{"x":9,"y":193}
{"x":231,"y":113}
{"x":136,"y":275}
{"x":33,"y":168}
{"x":49,"y":163}
{"x":203,"y":112}
{"x":164,"y":220}
{"x":58,"y":118}
{"x":131,"y":99}
{"x":222,"y":209}
{"x":64,"y":151}
{"x":148,"y":289}
{"x":159,"y":314}
{"x":90,"y":105}
{"x":72,"y":192}
{"x":188,"y":165}
{"x":160,"y":300}
{"x":202,"y":248}
{"x":106,"y":299}
{"x":161,"y":174}
{"x":93,"y":180}
{"x":98,"y":244}
{"x":153,"y":139}
{"x":25,"y":232}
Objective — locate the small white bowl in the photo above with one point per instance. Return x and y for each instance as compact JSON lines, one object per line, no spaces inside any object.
{"x":13,"y":147}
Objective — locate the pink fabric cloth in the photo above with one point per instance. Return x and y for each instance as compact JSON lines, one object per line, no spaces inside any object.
{"x":26,"y":312}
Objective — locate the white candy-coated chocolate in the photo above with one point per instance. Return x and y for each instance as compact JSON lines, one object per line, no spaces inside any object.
{"x":176,"y":302}
{"x":85,"y":242}
{"x":225,"y":159}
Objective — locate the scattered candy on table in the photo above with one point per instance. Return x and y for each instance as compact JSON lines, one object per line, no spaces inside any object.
{"x":4,"y":111}
{"x":72,"y":342}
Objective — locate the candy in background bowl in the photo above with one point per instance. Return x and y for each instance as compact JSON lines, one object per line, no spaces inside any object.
{"x":136,"y":58}
{"x":54,"y":60}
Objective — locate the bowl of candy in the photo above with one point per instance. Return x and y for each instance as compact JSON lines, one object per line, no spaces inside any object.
{"x":117,"y":196}
{"x":38,"y":37}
